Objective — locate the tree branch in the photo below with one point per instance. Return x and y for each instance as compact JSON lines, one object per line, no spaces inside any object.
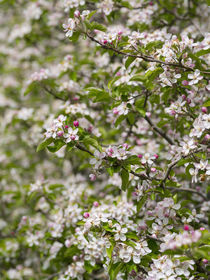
{"x":144,"y":57}
{"x":160,"y":132}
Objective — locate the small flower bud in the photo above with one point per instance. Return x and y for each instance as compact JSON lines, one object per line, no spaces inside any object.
{"x":148,"y":114}
{"x":204,"y":110}
{"x":140,"y":156}
{"x":60,"y":133}
{"x":202,"y":228}
{"x":185,"y":83}
{"x":92,"y":177}
{"x":105,"y":42}
{"x":66,"y":126}
{"x":86,"y":215}
{"x":125,"y":145}
{"x":153,"y":169}
{"x":188,"y":100}
{"x":77,"y":14}
{"x":76,"y":123}
{"x":156,"y":156}
{"x":95,"y":204}
{"x":68,"y":243}
{"x":205,"y":261}
{"x":72,"y":137}
{"x":186,"y":227}
{"x":115,"y":111}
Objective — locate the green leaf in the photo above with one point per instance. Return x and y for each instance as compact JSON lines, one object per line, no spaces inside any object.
{"x":128,"y":62}
{"x":125,"y":179}
{"x":44,"y":144}
{"x":119,"y":120}
{"x":98,"y":94}
{"x":207,"y":103}
{"x":114,"y":269}
{"x":141,"y":202}
{"x":138,"y":77}
{"x":132,"y":160}
{"x":109,"y":251}
{"x":154,"y":45}
{"x":98,"y":26}
{"x":57,"y":146}
{"x":152,"y":74}
{"x":91,"y":141}
{"x":202,"y":52}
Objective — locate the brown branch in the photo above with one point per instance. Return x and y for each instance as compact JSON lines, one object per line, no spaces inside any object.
{"x":188,"y":190}
{"x":84,"y":149}
{"x":52,"y":93}
{"x":174,"y":163}
{"x":144,"y":57}
{"x":160,"y":132}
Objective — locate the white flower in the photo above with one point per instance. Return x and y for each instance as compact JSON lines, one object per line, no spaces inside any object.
{"x":194,"y":173}
{"x":147,"y":158}
{"x":97,"y":160}
{"x":69,"y":27}
{"x":106,"y":6}
{"x":71,"y":135}
{"x":120,"y":233}
{"x":195,"y":77}
{"x":51,"y":132}
{"x":59,"y":121}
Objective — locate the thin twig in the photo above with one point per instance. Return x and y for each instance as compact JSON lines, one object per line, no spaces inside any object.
{"x":144,"y":57}
{"x":188,"y":190}
{"x":160,"y":132}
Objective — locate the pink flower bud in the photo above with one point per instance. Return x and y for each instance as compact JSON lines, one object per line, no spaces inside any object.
{"x":205,"y":261}
{"x":184,"y":97}
{"x":72,"y":137}
{"x":92,"y":177}
{"x":188,"y":100}
{"x":173,"y":113}
{"x":153,"y":169}
{"x":186,"y":227}
{"x":125,"y":145}
{"x":115,"y":111}
{"x":66,"y":126}
{"x":90,"y":129}
{"x":24,"y":218}
{"x":75,"y":258}
{"x":76,"y":98}
{"x":185,"y":83}
{"x":68,"y":243}
{"x":202,"y":228}
{"x":140,"y":156}
{"x":138,"y":142}
{"x":76,"y":123}
{"x":204,"y":110}
{"x":118,"y":74}
{"x":86,"y":215}
{"x":148,"y":114}
{"x":207,"y":137}
{"x":77,"y":14}
{"x":60,"y":133}
{"x":120,"y":33}
{"x":95,"y":204}
{"x":105,"y":42}
{"x":156,"y":156}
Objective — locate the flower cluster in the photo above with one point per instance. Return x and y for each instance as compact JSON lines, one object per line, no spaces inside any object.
{"x":104,"y":121}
